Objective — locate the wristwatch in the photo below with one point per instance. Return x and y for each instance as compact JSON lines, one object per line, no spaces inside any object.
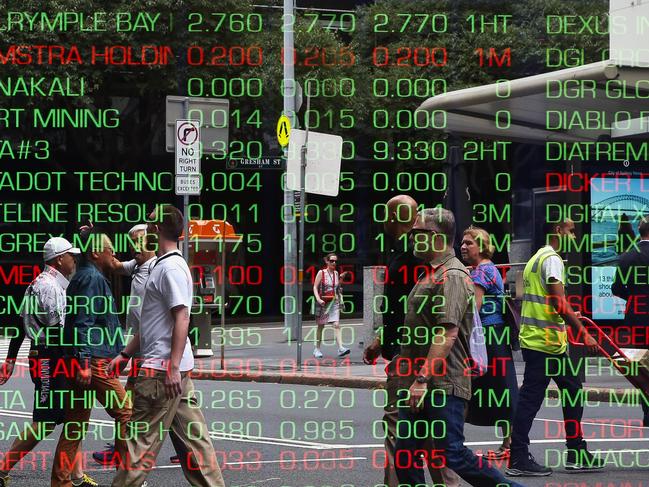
{"x":421,"y":379}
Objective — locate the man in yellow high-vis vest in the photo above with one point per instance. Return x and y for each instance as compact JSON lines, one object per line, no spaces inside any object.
{"x":544,"y":342}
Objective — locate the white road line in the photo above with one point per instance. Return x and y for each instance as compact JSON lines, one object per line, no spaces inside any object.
{"x":20,"y":414}
{"x":22,"y":353}
{"x":112,"y":469}
{"x":252,"y":483}
{"x":28,"y":415}
{"x":264,"y":440}
{"x":276,"y":441}
{"x":268,"y":440}
{"x":232,"y":436}
{"x":262,"y":480}
{"x":499,"y":442}
{"x":488,"y":443}
{"x":301,"y":460}
{"x":329,"y":446}
{"x":162,"y":467}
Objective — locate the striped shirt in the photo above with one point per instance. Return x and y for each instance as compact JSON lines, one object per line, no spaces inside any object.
{"x":44,"y":303}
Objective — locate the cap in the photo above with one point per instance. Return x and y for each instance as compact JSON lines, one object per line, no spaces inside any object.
{"x":138,"y":228}
{"x":58,"y":246}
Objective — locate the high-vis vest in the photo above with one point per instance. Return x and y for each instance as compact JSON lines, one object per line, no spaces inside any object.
{"x":542,"y":328}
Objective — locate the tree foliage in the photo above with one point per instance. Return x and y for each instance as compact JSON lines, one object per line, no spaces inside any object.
{"x":384,"y":26}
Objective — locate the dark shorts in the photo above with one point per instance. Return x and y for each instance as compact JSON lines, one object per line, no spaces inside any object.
{"x":50,"y":389}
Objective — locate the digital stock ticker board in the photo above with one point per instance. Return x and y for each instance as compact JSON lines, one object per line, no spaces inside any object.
{"x":308,"y":243}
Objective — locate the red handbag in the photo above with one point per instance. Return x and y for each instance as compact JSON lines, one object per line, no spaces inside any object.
{"x":328,"y":296}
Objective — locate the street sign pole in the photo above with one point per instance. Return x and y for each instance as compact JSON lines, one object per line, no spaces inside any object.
{"x":300,"y":270}
{"x":290,"y":237}
{"x":190,"y":139}
{"x":186,"y":196}
{"x":223,"y":299}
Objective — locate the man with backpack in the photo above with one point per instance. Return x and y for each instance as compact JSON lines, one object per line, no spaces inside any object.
{"x":436,"y":385}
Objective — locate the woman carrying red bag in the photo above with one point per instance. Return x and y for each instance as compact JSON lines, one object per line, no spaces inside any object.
{"x":328,"y":296}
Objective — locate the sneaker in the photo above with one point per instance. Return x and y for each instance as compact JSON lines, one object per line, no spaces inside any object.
{"x":526,"y":467}
{"x":582,"y":459}
{"x":105,"y":457}
{"x":85,"y":481}
{"x":4,"y":481}
{"x":317,"y":353}
{"x":499,"y":454}
{"x":343,"y":351}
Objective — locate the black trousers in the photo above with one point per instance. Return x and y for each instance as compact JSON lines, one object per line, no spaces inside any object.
{"x":540,"y":368}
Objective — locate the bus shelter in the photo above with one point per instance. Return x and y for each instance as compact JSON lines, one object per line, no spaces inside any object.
{"x":583,"y":115}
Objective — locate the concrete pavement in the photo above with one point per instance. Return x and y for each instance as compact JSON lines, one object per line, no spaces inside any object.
{"x":272,"y":359}
{"x":261,"y":353}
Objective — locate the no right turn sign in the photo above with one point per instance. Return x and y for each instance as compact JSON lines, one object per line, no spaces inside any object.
{"x":188,"y":157}
{"x":188,"y":147}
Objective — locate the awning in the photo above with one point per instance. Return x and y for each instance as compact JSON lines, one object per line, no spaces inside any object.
{"x":575,"y":104}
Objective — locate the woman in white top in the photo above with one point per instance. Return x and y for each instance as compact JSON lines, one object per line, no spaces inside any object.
{"x":328,"y":296}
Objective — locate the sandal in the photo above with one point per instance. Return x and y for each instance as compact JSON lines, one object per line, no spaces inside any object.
{"x":499,"y":454}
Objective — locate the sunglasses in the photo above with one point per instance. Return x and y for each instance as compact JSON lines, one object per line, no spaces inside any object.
{"x":333,"y":261}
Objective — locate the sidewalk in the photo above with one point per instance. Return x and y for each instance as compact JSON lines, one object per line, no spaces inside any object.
{"x":274,"y":360}
{"x":260,"y":353}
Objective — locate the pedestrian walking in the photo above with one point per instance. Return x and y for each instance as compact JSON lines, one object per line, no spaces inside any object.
{"x":434,"y":371}
{"x":138,"y":269}
{"x":401,"y":269}
{"x":500,"y":379}
{"x":327,"y":292}
{"x":43,"y":317}
{"x":93,"y":327}
{"x":544,"y":344}
{"x":164,"y":394}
